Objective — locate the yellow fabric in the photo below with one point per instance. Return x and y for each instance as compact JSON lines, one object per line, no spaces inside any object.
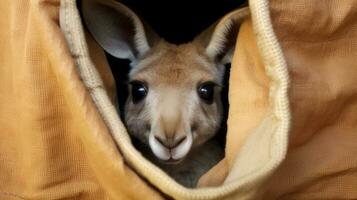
{"x":57,"y":123}
{"x":59,"y":129}
{"x":60,"y":137}
{"x":53,"y":143}
{"x":249,"y":89}
{"x":319,"y":40}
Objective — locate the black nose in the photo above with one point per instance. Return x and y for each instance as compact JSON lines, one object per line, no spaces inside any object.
{"x":171,"y":142}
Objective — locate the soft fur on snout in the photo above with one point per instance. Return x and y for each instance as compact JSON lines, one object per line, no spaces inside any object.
{"x":172,"y":107}
{"x":172,"y":119}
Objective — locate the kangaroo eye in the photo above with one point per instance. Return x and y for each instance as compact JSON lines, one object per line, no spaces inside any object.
{"x":206,"y":92}
{"x":139,"y":90}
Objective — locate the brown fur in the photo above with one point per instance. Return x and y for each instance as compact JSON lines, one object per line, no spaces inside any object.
{"x":180,"y":68}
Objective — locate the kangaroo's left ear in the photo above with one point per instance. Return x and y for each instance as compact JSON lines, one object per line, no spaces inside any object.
{"x":118,"y":29}
{"x":220,"y":38}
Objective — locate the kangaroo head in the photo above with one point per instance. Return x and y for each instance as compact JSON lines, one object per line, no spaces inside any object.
{"x":174,"y":102}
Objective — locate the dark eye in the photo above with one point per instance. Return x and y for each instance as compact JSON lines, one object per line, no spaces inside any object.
{"x":206,"y":92}
{"x":139,"y":90}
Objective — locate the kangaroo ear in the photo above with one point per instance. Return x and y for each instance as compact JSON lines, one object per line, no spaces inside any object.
{"x":220,"y":38}
{"x":117,"y":29}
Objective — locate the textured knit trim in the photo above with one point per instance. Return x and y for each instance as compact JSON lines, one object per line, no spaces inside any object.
{"x":275,"y":66}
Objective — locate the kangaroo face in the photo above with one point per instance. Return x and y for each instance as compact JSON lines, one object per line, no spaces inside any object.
{"x":174,"y":102}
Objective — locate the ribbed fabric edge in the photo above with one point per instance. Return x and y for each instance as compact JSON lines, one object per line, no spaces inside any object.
{"x":277,"y":70}
{"x":72,"y":27}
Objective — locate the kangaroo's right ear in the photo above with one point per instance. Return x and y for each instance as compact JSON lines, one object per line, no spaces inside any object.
{"x":220,"y":38}
{"x":117,"y":29}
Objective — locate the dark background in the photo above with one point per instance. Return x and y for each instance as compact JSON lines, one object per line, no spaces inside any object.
{"x":179,"y":21}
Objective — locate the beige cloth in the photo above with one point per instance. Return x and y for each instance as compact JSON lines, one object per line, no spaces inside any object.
{"x":60,"y":137}
{"x":319,"y":40}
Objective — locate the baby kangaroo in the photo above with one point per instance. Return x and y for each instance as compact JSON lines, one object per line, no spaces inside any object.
{"x":174,"y":106}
